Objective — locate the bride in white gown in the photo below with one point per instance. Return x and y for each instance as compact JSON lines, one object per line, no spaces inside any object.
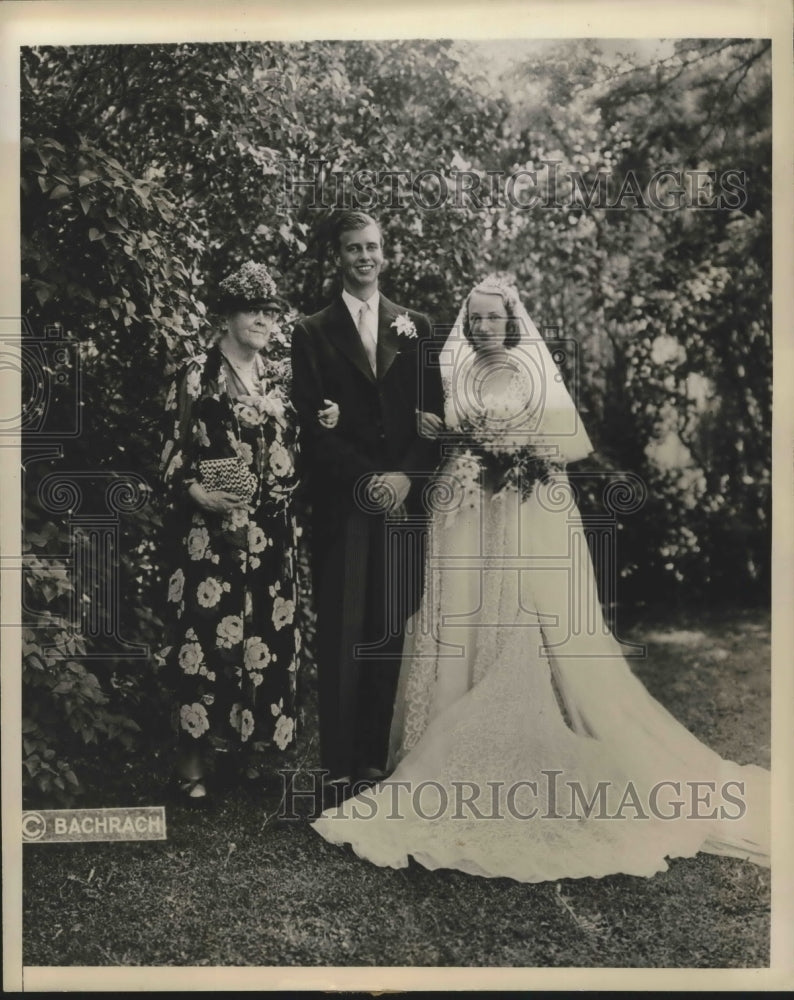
{"x":522,"y":743}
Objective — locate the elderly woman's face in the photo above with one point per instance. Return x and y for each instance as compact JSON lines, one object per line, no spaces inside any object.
{"x":488,"y":320}
{"x":254,"y":327}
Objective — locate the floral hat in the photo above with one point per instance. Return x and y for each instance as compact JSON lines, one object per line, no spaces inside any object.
{"x":250,"y":285}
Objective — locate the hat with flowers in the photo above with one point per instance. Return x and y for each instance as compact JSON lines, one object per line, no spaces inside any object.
{"x":250,"y":285}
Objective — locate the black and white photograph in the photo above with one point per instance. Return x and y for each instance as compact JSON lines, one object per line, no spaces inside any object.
{"x":390,"y":582}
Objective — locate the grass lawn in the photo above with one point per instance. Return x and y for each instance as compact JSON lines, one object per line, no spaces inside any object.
{"x":232,"y":887}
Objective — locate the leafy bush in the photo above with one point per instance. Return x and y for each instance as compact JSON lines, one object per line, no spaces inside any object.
{"x":148,"y":172}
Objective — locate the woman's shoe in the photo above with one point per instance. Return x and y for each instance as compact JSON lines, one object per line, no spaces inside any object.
{"x":192,"y":792}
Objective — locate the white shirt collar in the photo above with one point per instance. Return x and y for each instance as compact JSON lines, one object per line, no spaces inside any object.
{"x":354,"y":305}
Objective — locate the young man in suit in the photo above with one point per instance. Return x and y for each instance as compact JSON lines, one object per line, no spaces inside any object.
{"x":365,"y":354}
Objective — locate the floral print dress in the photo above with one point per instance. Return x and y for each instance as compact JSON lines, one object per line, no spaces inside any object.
{"x":232,"y":588}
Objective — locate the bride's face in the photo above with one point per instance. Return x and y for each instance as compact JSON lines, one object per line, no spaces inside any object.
{"x":488,"y":321}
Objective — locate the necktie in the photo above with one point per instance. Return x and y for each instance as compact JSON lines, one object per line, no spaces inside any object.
{"x":367,"y":339}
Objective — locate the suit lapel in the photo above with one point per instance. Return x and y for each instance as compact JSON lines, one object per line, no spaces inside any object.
{"x":388,"y":341}
{"x":344,"y":335}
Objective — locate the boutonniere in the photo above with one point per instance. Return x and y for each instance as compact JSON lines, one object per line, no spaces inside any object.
{"x":404,"y":326}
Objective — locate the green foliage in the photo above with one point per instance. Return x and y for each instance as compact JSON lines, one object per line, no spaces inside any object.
{"x":149,"y":172}
{"x":671,"y":308}
{"x":65,"y":706}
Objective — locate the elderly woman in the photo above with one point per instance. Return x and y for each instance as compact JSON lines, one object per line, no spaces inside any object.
{"x":229,"y":469}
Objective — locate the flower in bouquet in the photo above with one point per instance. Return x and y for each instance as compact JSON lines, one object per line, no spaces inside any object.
{"x":510,"y":459}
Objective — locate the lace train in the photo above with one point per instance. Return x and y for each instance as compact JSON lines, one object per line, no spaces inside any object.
{"x":524,"y":746}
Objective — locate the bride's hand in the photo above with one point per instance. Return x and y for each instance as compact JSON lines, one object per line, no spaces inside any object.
{"x":428,"y":425}
{"x":329,"y":416}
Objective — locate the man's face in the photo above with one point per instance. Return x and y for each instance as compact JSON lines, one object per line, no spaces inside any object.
{"x":361,"y":260}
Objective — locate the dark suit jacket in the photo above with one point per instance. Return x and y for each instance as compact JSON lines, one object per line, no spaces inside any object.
{"x":376,"y":431}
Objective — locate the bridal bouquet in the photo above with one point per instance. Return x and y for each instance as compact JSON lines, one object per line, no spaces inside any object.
{"x":504,"y":449}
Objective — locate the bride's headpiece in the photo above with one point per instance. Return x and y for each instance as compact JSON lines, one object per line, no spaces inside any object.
{"x":553,"y":421}
{"x":499,"y":283}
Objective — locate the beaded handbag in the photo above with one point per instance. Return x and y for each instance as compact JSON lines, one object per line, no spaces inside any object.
{"x":230,"y":474}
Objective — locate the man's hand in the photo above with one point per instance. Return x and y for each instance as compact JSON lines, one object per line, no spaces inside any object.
{"x":428,"y":425}
{"x":388,"y":490}
{"x":329,"y":415}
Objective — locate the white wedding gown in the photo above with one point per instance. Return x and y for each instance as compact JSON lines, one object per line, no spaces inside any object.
{"x":524,"y":745}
